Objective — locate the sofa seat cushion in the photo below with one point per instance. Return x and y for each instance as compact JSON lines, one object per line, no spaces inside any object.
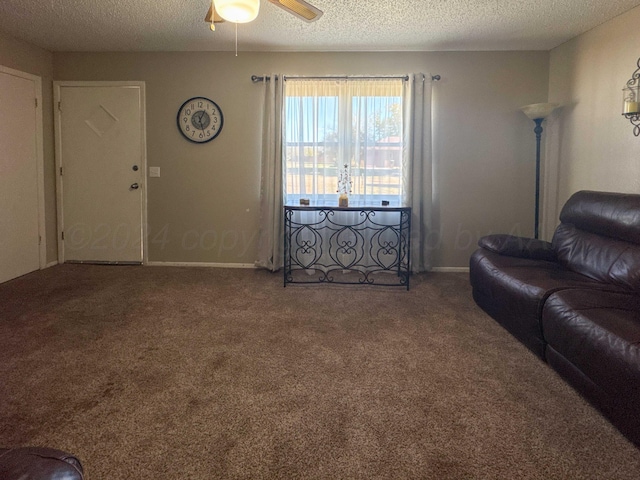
{"x":513,"y":291}
{"x":599,"y":333}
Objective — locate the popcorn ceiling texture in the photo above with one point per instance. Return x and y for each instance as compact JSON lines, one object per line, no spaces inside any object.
{"x":355,"y":25}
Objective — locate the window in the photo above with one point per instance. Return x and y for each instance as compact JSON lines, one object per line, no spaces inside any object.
{"x":354,"y":126}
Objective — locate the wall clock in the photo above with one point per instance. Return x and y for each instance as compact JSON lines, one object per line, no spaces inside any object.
{"x":200,"y":120}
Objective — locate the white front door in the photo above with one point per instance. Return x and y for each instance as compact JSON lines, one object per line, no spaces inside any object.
{"x":19,"y":201}
{"x":101,"y":160}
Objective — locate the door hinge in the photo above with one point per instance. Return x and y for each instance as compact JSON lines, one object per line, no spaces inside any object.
{"x":62,"y":235}
{"x":59,"y":106}
{"x":60,"y":171}
{"x":36,"y":103}
{"x":39,"y":239}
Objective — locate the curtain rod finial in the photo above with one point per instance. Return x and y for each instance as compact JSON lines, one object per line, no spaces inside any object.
{"x":258,"y":79}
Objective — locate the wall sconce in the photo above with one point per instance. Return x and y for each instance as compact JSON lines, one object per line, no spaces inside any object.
{"x":631,"y":100}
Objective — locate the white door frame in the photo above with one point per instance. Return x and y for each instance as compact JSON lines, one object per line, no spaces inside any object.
{"x":59,"y":160}
{"x":42,"y":230}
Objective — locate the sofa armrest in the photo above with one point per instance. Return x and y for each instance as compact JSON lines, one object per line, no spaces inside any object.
{"x":521,"y":247}
{"x":37,"y":463}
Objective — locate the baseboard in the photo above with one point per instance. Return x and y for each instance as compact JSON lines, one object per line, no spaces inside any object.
{"x":51,"y":264}
{"x":200,"y":264}
{"x":451,"y":269}
{"x":251,"y":265}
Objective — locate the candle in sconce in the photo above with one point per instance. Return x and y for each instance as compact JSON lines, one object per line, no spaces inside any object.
{"x":631,"y":107}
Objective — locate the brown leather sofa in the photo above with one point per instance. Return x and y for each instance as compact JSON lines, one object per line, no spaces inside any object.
{"x":575,"y":302}
{"x":36,"y":463}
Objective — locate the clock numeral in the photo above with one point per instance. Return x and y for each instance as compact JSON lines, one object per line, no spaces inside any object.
{"x":215,"y":119}
{"x":187,"y":112}
{"x":188,"y":129}
{"x":200,"y":136}
{"x":208,"y":133}
{"x":185,"y":119}
{"x":199,"y":104}
{"x":193,"y":133}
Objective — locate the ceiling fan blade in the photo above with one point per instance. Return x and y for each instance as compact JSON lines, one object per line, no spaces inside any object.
{"x":300,"y":9}
{"x":216,"y":18}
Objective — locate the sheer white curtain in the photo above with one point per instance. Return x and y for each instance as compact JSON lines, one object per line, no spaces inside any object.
{"x":270,"y":243}
{"x":349,"y":128}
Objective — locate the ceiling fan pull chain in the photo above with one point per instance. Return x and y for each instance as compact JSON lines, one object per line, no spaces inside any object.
{"x":236,"y":39}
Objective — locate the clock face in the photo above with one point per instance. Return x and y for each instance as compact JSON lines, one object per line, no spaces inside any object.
{"x":200,"y":120}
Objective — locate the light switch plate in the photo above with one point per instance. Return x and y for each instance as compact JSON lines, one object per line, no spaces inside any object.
{"x":154,"y":171}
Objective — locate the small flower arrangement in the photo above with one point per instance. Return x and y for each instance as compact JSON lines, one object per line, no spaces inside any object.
{"x":344,"y":187}
{"x":344,"y":181}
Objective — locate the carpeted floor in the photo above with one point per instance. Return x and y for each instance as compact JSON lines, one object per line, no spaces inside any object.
{"x":193,"y":373}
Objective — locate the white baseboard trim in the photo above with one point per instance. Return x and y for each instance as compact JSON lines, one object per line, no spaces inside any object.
{"x":251,"y":265}
{"x":51,"y":264}
{"x":200,"y":264}
{"x":451,"y":269}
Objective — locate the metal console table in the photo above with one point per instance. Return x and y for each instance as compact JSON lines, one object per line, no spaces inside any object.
{"x":368,"y":245}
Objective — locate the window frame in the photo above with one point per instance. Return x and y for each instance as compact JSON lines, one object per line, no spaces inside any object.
{"x":347,"y":147}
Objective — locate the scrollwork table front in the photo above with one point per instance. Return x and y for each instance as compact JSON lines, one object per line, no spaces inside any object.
{"x":355,"y":245}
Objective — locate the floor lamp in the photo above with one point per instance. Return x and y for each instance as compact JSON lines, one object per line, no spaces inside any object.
{"x":538,"y":112}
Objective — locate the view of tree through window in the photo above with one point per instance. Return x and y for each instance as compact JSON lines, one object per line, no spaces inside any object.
{"x":336,"y":126}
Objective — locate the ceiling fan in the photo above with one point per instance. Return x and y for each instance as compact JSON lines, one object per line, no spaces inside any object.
{"x":243,"y":11}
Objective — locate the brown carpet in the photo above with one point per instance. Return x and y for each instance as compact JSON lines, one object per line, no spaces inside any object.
{"x":193,"y":373}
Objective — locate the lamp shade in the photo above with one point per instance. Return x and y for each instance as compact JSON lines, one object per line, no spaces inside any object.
{"x":539,"y":110}
{"x":237,"y":11}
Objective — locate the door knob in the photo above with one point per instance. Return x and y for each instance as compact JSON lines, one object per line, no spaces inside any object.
{"x":135,"y":186}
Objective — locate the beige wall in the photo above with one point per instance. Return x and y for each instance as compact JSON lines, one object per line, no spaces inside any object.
{"x":204,"y":207}
{"x":591,"y":146}
{"x":36,"y":61}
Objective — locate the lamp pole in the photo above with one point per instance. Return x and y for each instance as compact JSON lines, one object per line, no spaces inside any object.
{"x":538,"y":132}
{"x":538,"y":112}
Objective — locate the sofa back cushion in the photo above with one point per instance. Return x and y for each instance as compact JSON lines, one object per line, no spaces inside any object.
{"x":615,"y":215}
{"x":601,"y":258}
{"x":600,"y":237}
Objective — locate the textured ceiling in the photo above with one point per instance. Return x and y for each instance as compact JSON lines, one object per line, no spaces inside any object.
{"x":354,"y":25}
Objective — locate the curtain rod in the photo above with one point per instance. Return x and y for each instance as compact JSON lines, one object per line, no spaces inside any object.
{"x":257,"y":79}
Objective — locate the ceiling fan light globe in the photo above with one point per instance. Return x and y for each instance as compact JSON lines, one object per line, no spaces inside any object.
{"x":238,"y":11}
